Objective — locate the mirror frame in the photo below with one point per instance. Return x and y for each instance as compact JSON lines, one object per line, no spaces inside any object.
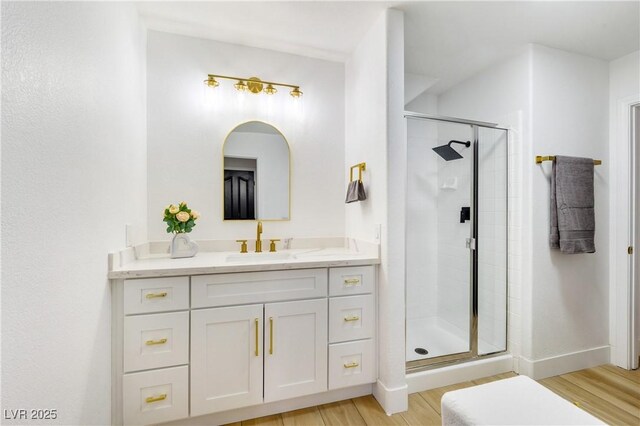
{"x":224,"y":143}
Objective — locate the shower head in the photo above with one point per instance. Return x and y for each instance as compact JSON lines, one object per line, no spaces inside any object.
{"x":448,"y":153}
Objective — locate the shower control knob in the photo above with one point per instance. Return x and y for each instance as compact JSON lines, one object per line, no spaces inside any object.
{"x":465,"y":214}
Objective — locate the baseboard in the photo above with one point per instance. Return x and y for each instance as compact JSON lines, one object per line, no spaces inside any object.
{"x":565,"y":363}
{"x":268,"y":409}
{"x":392,"y":400}
{"x":457,"y":373}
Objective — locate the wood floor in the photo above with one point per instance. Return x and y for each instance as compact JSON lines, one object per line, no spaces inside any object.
{"x":609,"y":393}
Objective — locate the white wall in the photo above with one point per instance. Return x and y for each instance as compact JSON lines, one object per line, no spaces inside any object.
{"x":624,"y":89}
{"x":570,"y":293}
{"x":375,"y":134}
{"x":561,"y":301}
{"x":271,"y":153}
{"x":365,"y":130}
{"x":186,"y":136}
{"x":73,"y":173}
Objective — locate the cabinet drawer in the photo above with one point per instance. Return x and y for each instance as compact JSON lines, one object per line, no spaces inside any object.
{"x":257,"y":287}
{"x":351,"y":318}
{"x":142,"y":296}
{"x":154,"y":341}
{"x":351,"y":280}
{"x":156,"y":396}
{"x":351,"y":364}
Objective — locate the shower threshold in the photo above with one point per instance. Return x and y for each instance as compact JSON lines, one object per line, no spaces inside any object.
{"x":438,"y":341}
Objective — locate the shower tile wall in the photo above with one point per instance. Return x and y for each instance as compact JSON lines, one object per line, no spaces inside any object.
{"x":422,"y":223}
{"x":454,"y":268}
{"x":492,"y":239}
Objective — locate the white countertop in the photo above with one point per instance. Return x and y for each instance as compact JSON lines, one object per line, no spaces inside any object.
{"x":147,"y":261}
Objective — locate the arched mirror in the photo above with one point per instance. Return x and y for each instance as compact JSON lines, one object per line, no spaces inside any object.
{"x":256,"y":173}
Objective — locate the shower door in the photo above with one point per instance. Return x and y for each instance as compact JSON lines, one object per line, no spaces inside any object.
{"x":439,"y":233}
{"x":456,"y":241}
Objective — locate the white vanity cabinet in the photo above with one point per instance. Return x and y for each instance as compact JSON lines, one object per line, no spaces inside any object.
{"x":196,"y":345}
{"x":150,"y":350}
{"x":296,"y":349}
{"x":235,"y":350}
{"x":227,"y":358}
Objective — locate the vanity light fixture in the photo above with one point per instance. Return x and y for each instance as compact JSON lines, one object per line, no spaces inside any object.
{"x":253,"y":85}
{"x":240,"y":86}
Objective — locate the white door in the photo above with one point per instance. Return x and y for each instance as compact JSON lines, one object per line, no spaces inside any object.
{"x":295,"y":359}
{"x":226,"y":358}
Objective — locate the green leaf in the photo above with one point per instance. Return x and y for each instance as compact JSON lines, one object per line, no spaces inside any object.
{"x":169,"y":229}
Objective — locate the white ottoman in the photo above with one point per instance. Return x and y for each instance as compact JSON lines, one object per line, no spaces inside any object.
{"x":514,"y":401}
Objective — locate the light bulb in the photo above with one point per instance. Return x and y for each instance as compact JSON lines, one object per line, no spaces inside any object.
{"x":211,"y":82}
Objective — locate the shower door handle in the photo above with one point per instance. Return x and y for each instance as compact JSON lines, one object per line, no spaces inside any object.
{"x":470,"y":243}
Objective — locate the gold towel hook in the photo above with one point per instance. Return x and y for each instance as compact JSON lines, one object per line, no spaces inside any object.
{"x":361,"y":167}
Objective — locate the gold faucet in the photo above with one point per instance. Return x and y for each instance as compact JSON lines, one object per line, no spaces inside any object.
{"x":258,"y":241}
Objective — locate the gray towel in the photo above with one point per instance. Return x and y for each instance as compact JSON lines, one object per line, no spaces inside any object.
{"x":573,"y":220}
{"x":355,"y":192}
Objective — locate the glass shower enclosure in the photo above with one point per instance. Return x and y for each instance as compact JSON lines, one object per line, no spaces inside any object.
{"x":456,"y":240}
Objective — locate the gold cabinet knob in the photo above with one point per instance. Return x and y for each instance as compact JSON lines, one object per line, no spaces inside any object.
{"x":272,"y":246}
{"x":351,"y":365}
{"x":243,"y":246}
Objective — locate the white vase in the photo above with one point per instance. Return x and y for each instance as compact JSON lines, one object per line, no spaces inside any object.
{"x":182,"y":246}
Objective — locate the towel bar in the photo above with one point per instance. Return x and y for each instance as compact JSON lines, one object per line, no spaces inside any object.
{"x":540,"y":159}
{"x":361,"y":167}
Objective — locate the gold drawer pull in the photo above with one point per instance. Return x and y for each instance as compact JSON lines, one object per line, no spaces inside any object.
{"x":151,"y":399}
{"x":351,"y":365}
{"x":352,"y":281}
{"x":156,"y":342}
{"x":352,"y":318}
{"x":156,"y":295}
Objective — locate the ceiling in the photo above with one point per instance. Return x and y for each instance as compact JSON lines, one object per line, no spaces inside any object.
{"x":451,"y":41}
{"x":319,"y":29}
{"x":445,"y":42}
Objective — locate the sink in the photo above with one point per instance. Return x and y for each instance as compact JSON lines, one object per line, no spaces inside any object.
{"x":258,"y":257}
{"x":330,"y":252}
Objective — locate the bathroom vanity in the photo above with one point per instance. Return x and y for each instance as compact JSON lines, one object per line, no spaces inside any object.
{"x":234,"y":336}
